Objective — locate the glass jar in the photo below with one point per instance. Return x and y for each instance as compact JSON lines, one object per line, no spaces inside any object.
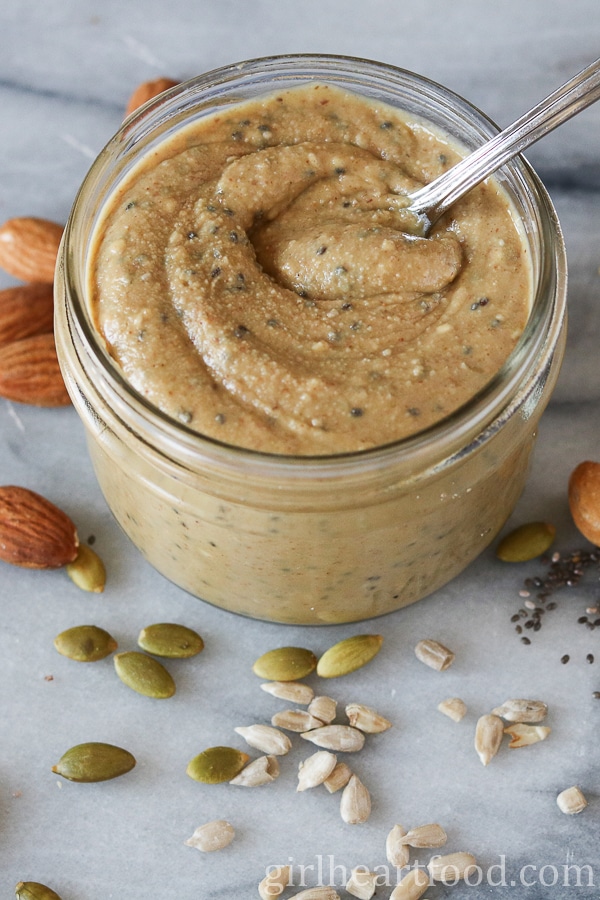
{"x":326,"y":539}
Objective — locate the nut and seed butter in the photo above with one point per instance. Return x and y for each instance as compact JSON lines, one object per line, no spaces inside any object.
{"x":254,"y":279}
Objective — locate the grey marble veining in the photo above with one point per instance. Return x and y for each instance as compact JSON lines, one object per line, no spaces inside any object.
{"x":66,"y":70}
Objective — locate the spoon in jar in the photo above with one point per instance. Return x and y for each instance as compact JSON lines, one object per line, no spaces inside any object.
{"x":428,"y":203}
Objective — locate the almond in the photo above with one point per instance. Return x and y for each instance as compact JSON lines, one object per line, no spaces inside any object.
{"x":29,"y":372}
{"x":25,"y":311}
{"x":147,"y":91}
{"x":584,"y":499}
{"x":29,"y":247}
{"x":34,"y":533}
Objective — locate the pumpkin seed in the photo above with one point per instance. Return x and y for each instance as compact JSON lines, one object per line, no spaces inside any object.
{"x":217,"y":764}
{"x":526,"y":542}
{"x":144,"y":674}
{"x":85,"y":643}
{"x":348,"y":655}
{"x":87,"y":570}
{"x":33,"y":890}
{"x":94,"y":762}
{"x":285,"y":664}
{"x":170,"y":640}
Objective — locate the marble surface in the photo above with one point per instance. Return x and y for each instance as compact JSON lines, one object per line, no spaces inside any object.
{"x":66,"y":71}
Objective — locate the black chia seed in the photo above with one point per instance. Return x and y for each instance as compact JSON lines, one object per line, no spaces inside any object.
{"x":562,"y":570}
{"x":565,"y":659}
{"x":590,"y":658}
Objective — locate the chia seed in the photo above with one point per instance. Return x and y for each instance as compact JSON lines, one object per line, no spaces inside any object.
{"x":562,"y":570}
{"x":590,"y":658}
{"x":565,"y":659}
{"x":215,"y":272}
{"x":356,"y":411}
{"x":321,"y":250}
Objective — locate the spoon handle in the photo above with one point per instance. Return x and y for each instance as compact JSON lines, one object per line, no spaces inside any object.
{"x":581,"y":91}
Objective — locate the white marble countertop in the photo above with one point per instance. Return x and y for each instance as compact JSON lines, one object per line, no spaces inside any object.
{"x":66,"y":71}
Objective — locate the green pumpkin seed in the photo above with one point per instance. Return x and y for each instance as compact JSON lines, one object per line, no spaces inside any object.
{"x":170,"y":640}
{"x":348,"y":655}
{"x":285,"y":664}
{"x":87,"y":570}
{"x":217,"y":764}
{"x":144,"y":674}
{"x":33,"y":890}
{"x":94,"y":762}
{"x":85,"y":643}
{"x":526,"y":542}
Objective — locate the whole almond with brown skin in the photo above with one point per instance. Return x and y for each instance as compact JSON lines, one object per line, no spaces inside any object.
{"x":584,"y":499}
{"x":34,"y":533}
{"x":30,"y":373}
{"x":25,"y":311}
{"x":146,"y":91}
{"x":29,"y":247}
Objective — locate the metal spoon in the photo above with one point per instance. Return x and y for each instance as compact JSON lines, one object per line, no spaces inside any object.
{"x":428,"y":203}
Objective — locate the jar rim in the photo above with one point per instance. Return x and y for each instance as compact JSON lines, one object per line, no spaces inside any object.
{"x":482,"y":413}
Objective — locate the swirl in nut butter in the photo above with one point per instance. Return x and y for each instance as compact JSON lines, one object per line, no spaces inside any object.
{"x":254,"y":277}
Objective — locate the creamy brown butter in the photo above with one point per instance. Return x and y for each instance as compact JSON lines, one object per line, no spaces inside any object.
{"x":254,"y":280}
